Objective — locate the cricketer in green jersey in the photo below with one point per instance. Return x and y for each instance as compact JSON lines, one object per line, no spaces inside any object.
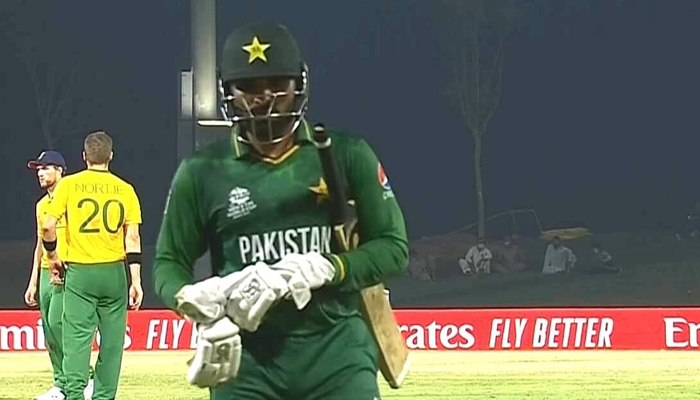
{"x":279,"y":319}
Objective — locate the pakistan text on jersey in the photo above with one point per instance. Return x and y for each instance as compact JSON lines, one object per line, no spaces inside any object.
{"x":101,"y":188}
{"x":274,"y":245}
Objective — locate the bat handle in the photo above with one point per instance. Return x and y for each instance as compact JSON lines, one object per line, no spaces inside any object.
{"x":332,"y":175}
{"x":321,"y":138}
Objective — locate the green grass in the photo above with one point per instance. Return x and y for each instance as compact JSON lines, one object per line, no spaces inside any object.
{"x":572,"y":375}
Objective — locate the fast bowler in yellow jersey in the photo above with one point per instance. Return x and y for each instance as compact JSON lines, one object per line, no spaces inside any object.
{"x":103,"y":215}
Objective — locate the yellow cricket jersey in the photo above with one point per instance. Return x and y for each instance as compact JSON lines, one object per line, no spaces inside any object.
{"x":97,"y":206}
{"x":41,"y":207}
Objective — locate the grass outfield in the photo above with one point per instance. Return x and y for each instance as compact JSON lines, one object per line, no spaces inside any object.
{"x":572,"y":375}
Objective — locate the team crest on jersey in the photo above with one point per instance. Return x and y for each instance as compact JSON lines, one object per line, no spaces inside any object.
{"x":320,"y":190}
{"x":383,"y":179}
{"x":384,"y":182}
{"x":239,"y":203}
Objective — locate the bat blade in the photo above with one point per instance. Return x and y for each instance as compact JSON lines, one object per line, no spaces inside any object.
{"x":394,"y":357}
{"x":394,"y":360}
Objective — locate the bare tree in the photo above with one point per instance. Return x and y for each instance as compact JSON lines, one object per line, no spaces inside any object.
{"x":53,"y":78}
{"x":54,"y":93}
{"x":477,"y":66}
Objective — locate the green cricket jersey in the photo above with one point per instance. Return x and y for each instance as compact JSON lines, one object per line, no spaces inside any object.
{"x":244,"y":209}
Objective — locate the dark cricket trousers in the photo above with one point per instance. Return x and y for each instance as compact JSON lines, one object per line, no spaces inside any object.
{"x":51,"y":309}
{"x":339,"y":364}
{"x":95,"y":296}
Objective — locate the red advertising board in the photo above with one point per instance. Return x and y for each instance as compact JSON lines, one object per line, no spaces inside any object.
{"x":485,"y":329}
{"x":552,"y":329}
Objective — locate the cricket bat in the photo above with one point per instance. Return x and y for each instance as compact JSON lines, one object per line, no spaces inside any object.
{"x":394,"y":357}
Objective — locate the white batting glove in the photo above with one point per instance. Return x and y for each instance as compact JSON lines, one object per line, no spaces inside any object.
{"x":202,"y":302}
{"x":218,"y":354}
{"x":251,"y":292}
{"x":304,"y":273}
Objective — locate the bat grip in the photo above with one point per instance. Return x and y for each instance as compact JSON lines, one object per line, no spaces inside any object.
{"x":336,"y":191}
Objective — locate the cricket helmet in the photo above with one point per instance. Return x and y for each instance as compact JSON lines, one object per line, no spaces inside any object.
{"x":263,"y":50}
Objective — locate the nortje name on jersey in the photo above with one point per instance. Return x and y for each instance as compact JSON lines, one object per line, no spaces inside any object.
{"x":274,"y":245}
{"x":99,"y":188}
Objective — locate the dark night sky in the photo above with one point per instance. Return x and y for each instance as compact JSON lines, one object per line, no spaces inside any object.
{"x":597,"y":124}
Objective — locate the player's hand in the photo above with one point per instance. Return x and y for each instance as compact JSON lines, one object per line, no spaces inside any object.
{"x":30,"y":295}
{"x":304,"y":273}
{"x":251,"y":292}
{"x":202,"y":302}
{"x":135,"y":296}
{"x":218,"y":354}
{"x":57,"y":269}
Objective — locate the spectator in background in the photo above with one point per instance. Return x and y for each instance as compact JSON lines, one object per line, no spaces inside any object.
{"x":478,"y":259}
{"x":508,"y":257}
{"x":602,"y":260}
{"x":558,"y":258}
{"x":691,"y":224}
{"x":421,"y":266}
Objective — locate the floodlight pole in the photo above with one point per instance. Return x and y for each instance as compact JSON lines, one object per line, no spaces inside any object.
{"x":198,"y":95}
{"x":203,"y":13}
{"x":198,"y":85}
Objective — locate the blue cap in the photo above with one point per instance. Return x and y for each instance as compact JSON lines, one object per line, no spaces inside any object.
{"x":48,"y":157}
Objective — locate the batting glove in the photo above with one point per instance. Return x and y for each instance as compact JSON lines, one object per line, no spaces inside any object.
{"x":304,"y":273}
{"x":217,"y":358}
{"x":202,"y":302}
{"x":251,"y":292}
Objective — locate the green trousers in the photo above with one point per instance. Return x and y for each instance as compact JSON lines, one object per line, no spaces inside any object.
{"x":51,"y":308}
{"x":339,"y":364}
{"x":95,"y":296}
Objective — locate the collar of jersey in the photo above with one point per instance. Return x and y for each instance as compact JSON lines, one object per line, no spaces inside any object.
{"x":240,"y":149}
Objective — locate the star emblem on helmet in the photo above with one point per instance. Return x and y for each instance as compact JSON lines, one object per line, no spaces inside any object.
{"x":256,"y":50}
{"x":320,"y":190}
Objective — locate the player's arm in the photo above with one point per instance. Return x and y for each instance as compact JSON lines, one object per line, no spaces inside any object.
{"x":181,"y":240}
{"x":33,"y":286}
{"x":132,"y":246}
{"x":55,"y":210}
{"x":49,"y":232}
{"x":383,"y":249}
{"x":38,"y":253}
{"x":36,"y":262}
